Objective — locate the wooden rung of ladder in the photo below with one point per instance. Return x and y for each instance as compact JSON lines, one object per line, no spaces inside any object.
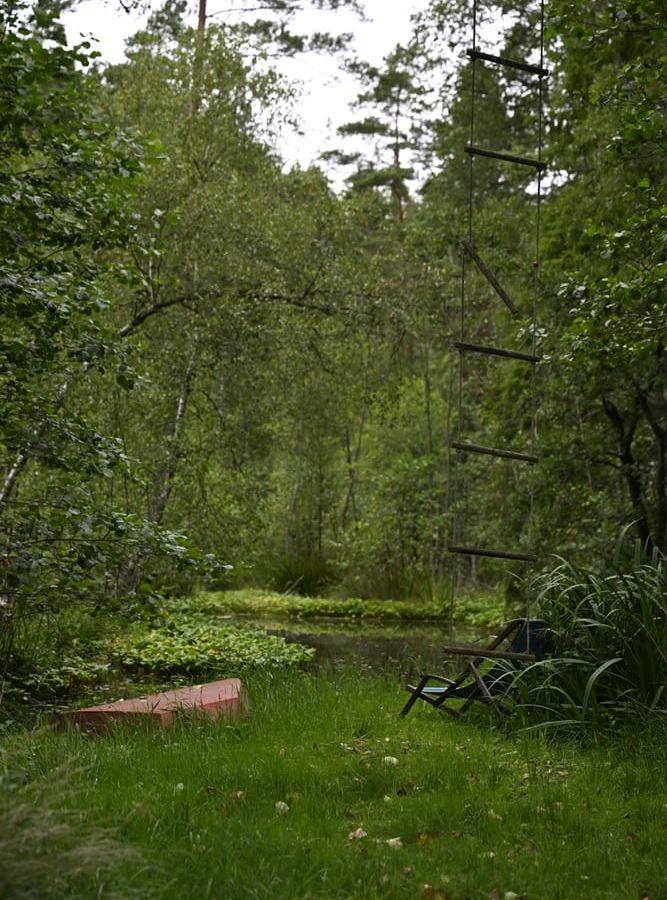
{"x":495,"y":554}
{"x":510,"y":63}
{"x":490,"y":277}
{"x":496,"y":351}
{"x":471,"y":150}
{"x":494,"y":451}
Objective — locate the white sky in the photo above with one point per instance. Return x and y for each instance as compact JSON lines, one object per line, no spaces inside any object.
{"x":326,"y":93}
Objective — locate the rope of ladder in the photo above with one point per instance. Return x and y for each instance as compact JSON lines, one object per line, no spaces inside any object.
{"x":470,"y":255}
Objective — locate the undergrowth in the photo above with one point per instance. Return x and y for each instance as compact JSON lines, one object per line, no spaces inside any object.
{"x":479,"y":611}
{"x":203,"y":649}
{"x":610,"y":656}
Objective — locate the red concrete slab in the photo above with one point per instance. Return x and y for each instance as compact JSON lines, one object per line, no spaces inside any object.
{"x":217,"y":698}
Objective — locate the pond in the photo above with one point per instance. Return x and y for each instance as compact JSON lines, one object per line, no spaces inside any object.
{"x":405,"y":647}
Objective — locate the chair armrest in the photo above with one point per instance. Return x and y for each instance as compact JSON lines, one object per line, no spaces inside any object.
{"x":486,"y":653}
{"x":439,"y":678}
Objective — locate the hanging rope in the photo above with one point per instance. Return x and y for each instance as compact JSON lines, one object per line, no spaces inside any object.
{"x":459,"y":492}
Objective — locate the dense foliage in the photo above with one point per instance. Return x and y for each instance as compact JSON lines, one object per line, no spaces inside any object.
{"x":610,"y":645}
{"x":205,"y":650}
{"x":214,"y":372}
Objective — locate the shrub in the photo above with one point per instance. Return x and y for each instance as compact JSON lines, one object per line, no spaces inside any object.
{"x":191,"y":647}
{"x":610,"y":638}
{"x":56,"y":681}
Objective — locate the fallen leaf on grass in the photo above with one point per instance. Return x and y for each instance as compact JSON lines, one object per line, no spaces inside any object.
{"x":357,"y":834}
{"x":411,"y":786}
{"x":394,"y":842}
{"x":428,"y":892}
{"x":235,"y":797}
{"x":427,"y":837}
{"x":282,"y":808}
{"x":390,"y":761}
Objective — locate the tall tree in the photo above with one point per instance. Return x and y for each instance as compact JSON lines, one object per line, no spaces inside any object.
{"x":391,"y":96}
{"x":606,"y":234}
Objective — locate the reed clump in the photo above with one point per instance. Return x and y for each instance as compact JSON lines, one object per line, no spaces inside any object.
{"x":610,"y":644}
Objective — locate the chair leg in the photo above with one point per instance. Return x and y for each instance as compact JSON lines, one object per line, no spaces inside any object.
{"x":414,"y":696}
{"x":454,"y":713}
{"x":487,"y":697}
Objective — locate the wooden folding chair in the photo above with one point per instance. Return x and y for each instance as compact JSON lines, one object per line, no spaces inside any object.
{"x":528,"y":641}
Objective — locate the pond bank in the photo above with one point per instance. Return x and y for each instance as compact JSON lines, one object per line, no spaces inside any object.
{"x":482,"y":610}
{"x":228,"y":634}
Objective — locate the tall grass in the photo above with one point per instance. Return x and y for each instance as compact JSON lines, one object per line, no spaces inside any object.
{"x":610,"y":636}
{"x":477,"y":814}
{"x":50,"y":847}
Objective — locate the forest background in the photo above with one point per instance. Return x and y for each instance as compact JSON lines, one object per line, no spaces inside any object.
{"x":218,"y":373}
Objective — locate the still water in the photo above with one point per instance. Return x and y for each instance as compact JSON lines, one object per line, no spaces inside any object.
{"x":404,"y":647}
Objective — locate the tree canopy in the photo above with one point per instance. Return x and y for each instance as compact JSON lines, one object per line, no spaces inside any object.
{"x":215,"y":369}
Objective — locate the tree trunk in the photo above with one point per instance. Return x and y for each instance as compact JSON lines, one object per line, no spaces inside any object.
{"x":660,"y":443}
{"x":625,"y":432}
{"x":352,"y":459}
{"x":396,"y":186}
{"x":130,"y":575}
{"x":23,"y":456}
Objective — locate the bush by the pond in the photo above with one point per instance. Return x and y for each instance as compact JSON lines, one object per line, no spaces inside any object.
{"x":610,"y":631}
{"x":483,"y":611}
{"x":54,"y":680}
{"x":199,"y":648}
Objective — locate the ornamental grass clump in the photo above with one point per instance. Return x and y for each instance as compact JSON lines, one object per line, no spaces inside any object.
{"x":610,"y":645}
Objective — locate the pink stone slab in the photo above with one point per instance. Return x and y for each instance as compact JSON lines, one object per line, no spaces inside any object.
{"x":217,"y":698}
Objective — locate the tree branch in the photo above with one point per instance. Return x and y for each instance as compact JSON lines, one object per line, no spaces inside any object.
{"x":147,"y":312}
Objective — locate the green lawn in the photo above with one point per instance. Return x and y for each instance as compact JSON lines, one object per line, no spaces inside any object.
{"x":193,"y":810}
